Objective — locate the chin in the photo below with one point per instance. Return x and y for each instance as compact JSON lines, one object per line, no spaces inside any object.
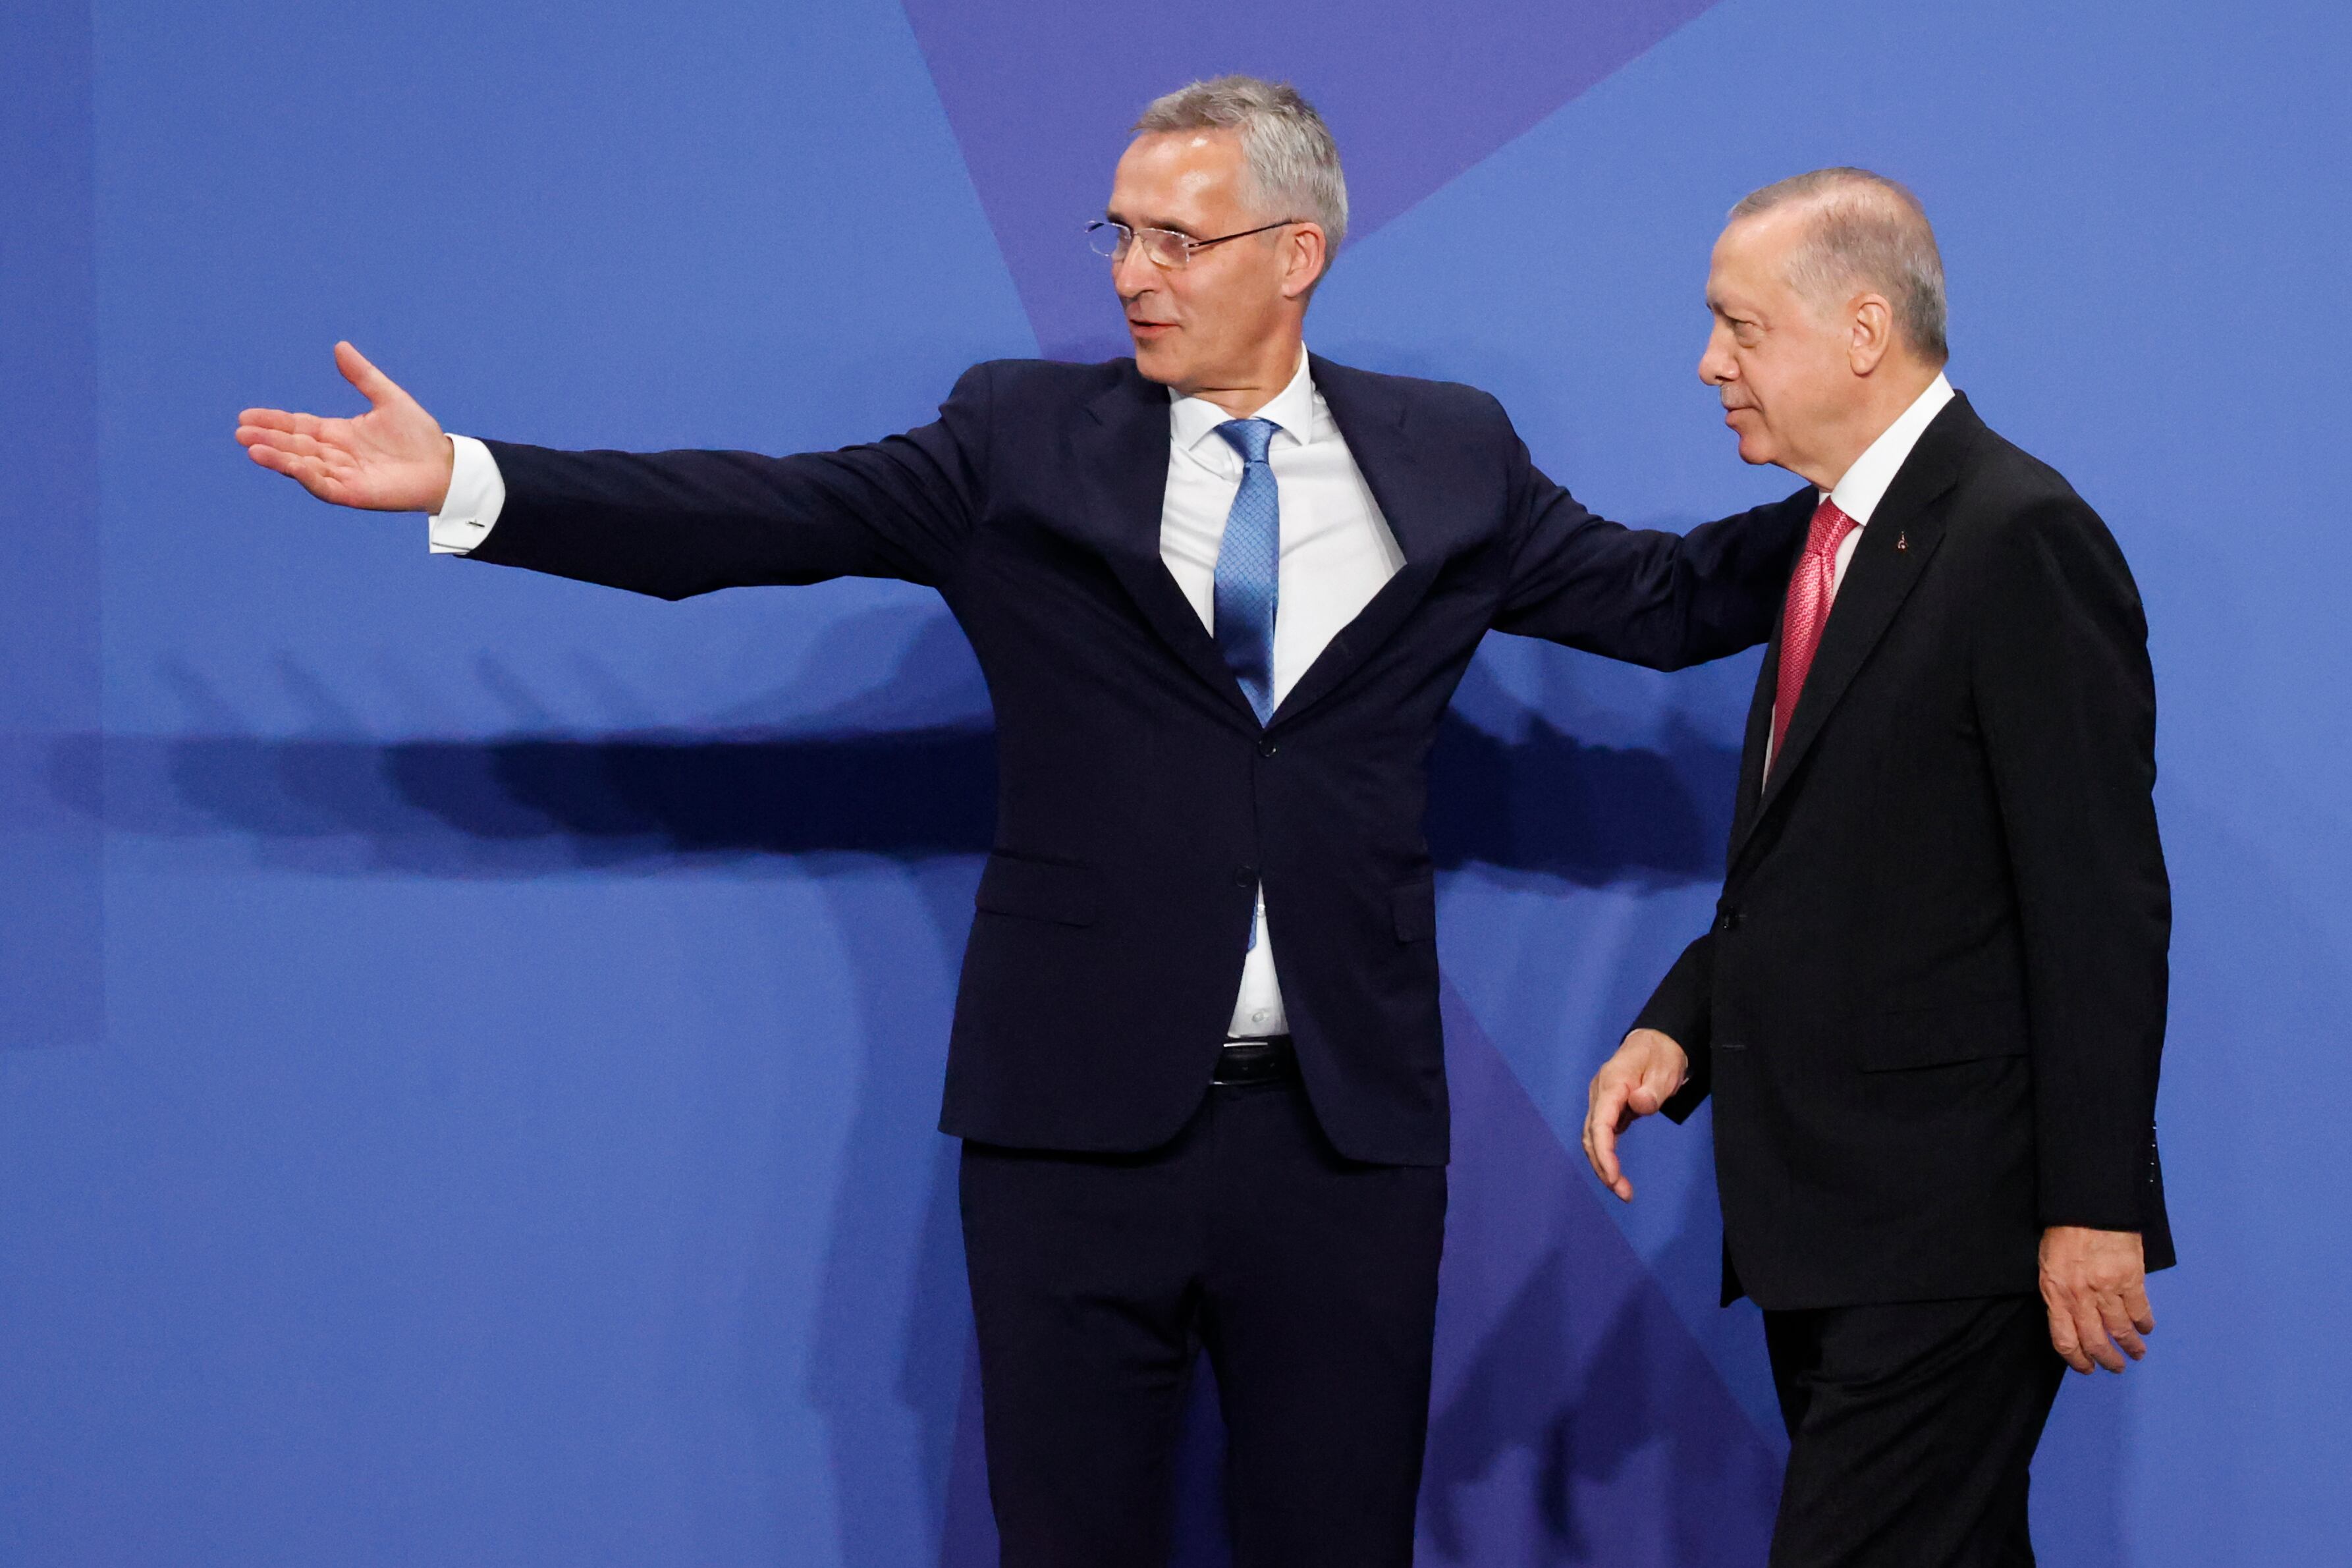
{"x":1157,"y":362}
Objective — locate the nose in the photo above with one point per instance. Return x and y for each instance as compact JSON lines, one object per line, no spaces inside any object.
{"x":1715,"y":365}
{"x":1134,"y":274}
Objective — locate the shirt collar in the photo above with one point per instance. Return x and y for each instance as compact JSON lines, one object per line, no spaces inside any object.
{"x":1192,"y":419}
{"x":1864,"y":484}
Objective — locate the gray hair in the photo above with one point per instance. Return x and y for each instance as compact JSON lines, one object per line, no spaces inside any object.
{"x":1870,"y":230}
{"x":1294,"y":164}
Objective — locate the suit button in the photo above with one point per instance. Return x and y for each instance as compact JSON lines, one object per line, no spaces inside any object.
{"x":1245,"y":876}
{"x":1267,"y":746}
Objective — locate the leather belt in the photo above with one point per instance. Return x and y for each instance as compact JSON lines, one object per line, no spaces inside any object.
{"x":1267,"y":1061}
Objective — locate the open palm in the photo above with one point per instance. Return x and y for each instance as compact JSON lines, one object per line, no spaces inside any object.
{"x":393,"y":458}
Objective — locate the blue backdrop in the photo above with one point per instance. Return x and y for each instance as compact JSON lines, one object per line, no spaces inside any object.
{"x":469,"y":1043}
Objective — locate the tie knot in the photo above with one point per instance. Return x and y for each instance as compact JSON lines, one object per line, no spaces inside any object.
{"x":1829,"y":530}
{"x":1250,"y":437}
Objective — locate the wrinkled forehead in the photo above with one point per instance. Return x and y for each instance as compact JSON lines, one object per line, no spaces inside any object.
{"x":1750,"y":262}
{"x":1172,"y":179}
{"x":1768,"y":237}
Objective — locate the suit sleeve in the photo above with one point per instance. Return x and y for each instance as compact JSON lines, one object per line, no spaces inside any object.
{"x":1683,"y":1010}
{"x":1644,"y":595}
{"x":676,"y":524}
{"x":2067,"y":702}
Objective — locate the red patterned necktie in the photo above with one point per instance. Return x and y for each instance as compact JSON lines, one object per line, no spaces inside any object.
{"x":1808,"y":611}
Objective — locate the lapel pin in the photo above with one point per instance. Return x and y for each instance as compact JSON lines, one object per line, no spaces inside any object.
{"x":1901,"y":541}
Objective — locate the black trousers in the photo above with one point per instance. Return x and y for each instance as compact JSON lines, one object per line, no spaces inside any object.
{"x":1311,"y":1283}
{"x":1910,"y":1429}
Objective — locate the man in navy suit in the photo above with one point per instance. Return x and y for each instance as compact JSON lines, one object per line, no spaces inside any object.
{"x":1221,"y":592}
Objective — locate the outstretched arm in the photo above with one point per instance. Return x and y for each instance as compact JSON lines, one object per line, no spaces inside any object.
{"x":1645,"y":595}
{"x":393,"y":458}
{"x":665,"y":523}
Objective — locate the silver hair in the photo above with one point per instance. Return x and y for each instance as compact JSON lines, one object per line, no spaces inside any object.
{"x":1293,"y":164}
{"x":1870,"y":230}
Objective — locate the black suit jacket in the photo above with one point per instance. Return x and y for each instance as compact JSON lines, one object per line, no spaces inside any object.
{"x":1931,"y":1004}
{"x":1140,"y":800}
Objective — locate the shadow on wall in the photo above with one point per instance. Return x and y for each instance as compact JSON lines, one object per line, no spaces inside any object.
{"x":1547,"y":1316}
{"x":527,"y":805}
{"x":885,"y":1359}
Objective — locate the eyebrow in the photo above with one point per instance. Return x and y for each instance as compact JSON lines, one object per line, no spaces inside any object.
{"x":1174,"y":228}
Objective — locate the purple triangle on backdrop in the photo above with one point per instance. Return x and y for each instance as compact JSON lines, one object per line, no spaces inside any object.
{"x":1574,"y":1417}
{"x":1041,"y":92}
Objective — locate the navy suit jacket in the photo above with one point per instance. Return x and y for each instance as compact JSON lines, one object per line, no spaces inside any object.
{"x":1140,"y":802}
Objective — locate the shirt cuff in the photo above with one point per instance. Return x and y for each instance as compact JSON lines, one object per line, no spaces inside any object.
{"x":477,"y":492}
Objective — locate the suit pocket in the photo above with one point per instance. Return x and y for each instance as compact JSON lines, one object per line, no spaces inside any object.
{"x":1414,"y":908}
{"x":1941,"y":1036}
{"x":1039,"y":890}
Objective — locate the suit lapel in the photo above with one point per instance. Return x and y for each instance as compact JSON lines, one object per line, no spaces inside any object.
{"x":1124,"y":459}
{"x":1893,"y":551}
{"x":1373,"y":421}
{"x":1754,"y":743}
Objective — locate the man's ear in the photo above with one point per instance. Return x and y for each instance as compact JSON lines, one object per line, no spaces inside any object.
{"x":1304,"y":254}
{"x":1870,"y":332}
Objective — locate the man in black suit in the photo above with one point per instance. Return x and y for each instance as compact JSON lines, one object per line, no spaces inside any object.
{"x":1931,"y":1003}
{"x":1222,"y":593}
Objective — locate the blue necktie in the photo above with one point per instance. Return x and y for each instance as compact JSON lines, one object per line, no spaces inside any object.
{"x":1247,"y":563}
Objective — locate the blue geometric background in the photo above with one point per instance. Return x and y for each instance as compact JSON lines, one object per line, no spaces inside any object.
{"x":492,"y":1120}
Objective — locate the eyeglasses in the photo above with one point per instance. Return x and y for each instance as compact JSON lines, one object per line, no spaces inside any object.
{"x":1166,"y":247}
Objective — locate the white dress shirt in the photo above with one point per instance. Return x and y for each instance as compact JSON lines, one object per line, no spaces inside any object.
{"x":1864,"y":484}
{"x":478,"y":494}
{"x":1337,"y":553}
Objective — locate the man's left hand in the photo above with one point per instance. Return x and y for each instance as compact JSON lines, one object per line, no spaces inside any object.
{"x":2094,"y":1283}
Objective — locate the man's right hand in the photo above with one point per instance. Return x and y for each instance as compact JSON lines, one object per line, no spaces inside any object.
{"x":393,"y":458}
{"x":1642,"y":1076}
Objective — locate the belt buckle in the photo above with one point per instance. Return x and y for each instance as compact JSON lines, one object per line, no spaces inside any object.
{"x":1243,"y":1062}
